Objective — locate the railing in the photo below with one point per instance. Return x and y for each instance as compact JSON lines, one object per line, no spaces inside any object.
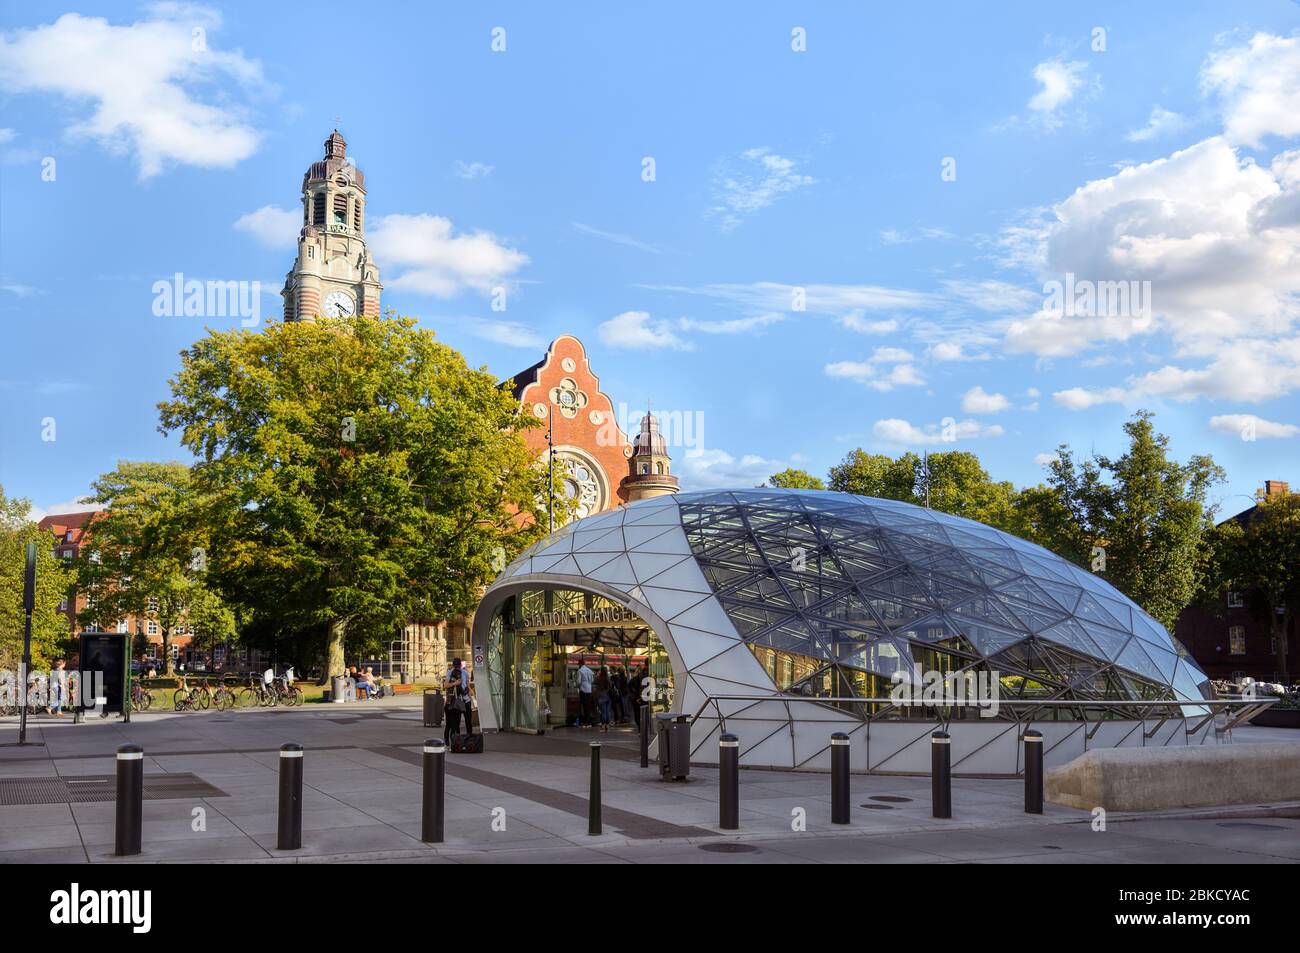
{"x":894,"y":710}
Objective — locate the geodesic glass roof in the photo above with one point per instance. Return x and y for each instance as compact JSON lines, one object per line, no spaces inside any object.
{"x":839,"y":592}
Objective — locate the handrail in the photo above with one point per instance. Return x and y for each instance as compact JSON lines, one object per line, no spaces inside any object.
{"x":1247,"y":707}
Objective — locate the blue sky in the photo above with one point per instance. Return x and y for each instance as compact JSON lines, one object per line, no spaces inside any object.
{"x":919,"y":174}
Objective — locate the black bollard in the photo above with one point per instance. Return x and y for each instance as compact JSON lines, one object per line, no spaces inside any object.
{"x":645,"y":736}
{"x":435,"y":787}
{"x":729,"y":782}
{"x":839,"y":778}
{"x":130,"y":800}
{"x":1033,"y":772}
{"x":593,"y":803}
{"x":941,"y":773}
{"x":289,"y":826}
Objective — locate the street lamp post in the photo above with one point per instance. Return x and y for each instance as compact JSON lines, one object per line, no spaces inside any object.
{"x":29,"y":604}
{"x":550,"y":471}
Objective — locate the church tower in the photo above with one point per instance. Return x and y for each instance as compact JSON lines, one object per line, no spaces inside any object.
{"x":648,"y":468}
{"x":333,"y":274}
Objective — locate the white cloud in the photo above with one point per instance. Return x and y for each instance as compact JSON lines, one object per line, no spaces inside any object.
{"x":733,"y":326}
{"x":1059,"y":81}
{"x":1043,"y":459}
{"x":1258,"y":86}
{"x":471,"y":170}
{"x":894,"y":430}
{"x":7,"y":136}
{"x":855,"y":322}
{"x":436,"y":261}
{"x":711,"y":468}
{"x":978,"y":401}
{"x":636,"y":330}
{"x":996,"y":297}
{"x":272,"y":226}
{"x":1237,"y":425}
{"x":756,"y":179}
{"x":509,"y":333}
{"x":617,"y":238}
{"x":872,"y":373}
{"x":141,"y":82}
{"x":1206,"y":228}
{"x":1247,"y":370}
{"x":1161,"y":122}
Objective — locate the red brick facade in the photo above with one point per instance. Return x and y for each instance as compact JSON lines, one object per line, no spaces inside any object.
{"x":582,"y":416}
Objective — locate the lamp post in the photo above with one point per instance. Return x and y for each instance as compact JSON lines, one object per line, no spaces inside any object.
{"x":29,"y":604}
{"x":550,"y":470}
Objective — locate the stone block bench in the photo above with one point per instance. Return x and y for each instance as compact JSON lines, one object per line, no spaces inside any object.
{"x":1150,"y":779}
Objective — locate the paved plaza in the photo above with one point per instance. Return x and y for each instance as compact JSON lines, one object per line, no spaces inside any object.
{"x":211,"y":783}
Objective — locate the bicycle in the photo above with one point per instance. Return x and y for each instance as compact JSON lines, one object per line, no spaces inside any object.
{"x":254,"y":694}
{"x":141,"y":697}
{"x":291,"y":695}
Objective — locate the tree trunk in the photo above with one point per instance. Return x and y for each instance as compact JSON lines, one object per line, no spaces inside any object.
{"x":169,"y":663}
{"x":1279,"y":642}
{"x":334,"y":664}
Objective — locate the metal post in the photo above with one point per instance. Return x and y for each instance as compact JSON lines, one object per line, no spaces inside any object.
{"x":839,"y":778}
{"x":729,"y":782}
{"x":1033,"y":771}
{"x":550,"y":470}
{"x":941,"y":773}
{"x":645,"y":735}
{"x":130,"y":800}
{"x":435,"y":787}
{"x":29,"y":604}
{"x":593,"y":802}
{"x":289,"y":824}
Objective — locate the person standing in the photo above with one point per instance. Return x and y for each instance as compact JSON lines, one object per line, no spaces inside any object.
{"x":455,"y":688}
{"x":634,"y":695}
{"x":603,"y":689}
{"x":619,"y":678}
{"x":58,"y":688}
{"x":586,"y":678}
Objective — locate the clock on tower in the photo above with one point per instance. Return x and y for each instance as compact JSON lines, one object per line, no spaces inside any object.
{"x":333,"y":274}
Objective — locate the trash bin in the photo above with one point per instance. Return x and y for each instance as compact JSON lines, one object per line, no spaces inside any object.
{"x":349,"y":689}
{"x":433,"y":705}
{"x":673,"y":738}
{"x":337,"y":688}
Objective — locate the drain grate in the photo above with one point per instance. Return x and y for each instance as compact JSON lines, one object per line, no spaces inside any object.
{"x":891,"y":798}
{"x":729,"y":848}
{"x":85,"y":789}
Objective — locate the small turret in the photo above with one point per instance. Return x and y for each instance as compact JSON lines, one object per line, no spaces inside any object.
{"x":649,"y":468}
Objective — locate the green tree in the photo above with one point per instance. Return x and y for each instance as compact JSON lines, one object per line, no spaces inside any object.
{"x":792,"y":479}
{"x":876,"y":474}
{"x":144,"y":554}
{"x":210,"y":619}
{"x":1259,"y":555}
{"x":352,"y":470}
{"x":1139,"y":520}
{"x":50,"y":631}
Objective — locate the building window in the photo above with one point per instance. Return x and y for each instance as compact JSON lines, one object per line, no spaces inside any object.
{"x":1237,"y":640}
{"x":153,"y":628}
{"x":645,"y":468}
{"x":1235,"y":601}
{"x":121,"y":626}
{"x":340,"y":210}
{"x":63,"y":606}
{"x":153,"y":604}
{"x":318,"y":208}
{"x":67,"y":537}
{"x":356,"y":216}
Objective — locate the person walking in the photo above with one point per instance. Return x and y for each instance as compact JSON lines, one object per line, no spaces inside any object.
{"x":586,"y":713}
{"x":455,"y":687}
{"x":634,"y":688}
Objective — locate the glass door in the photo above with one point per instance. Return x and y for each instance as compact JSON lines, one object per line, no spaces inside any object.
{"x":527,"y":678}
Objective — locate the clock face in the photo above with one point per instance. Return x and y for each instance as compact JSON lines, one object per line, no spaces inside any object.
{"x":338,"y":305}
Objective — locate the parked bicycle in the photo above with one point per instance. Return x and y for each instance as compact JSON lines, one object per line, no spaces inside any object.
{"x":141,"y":697}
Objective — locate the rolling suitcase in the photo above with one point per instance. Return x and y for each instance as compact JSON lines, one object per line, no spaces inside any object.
{"x":467,"y":744}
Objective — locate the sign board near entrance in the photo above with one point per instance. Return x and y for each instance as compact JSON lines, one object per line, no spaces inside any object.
{"x":582,"y":618}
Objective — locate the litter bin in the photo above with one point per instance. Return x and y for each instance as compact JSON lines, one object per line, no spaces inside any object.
{"x":433,"y":705}
{"x":673,"y":737}
{"x":337,"y":689}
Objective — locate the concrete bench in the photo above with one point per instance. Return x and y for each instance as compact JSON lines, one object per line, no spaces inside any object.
{"x":1150,"y":779}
